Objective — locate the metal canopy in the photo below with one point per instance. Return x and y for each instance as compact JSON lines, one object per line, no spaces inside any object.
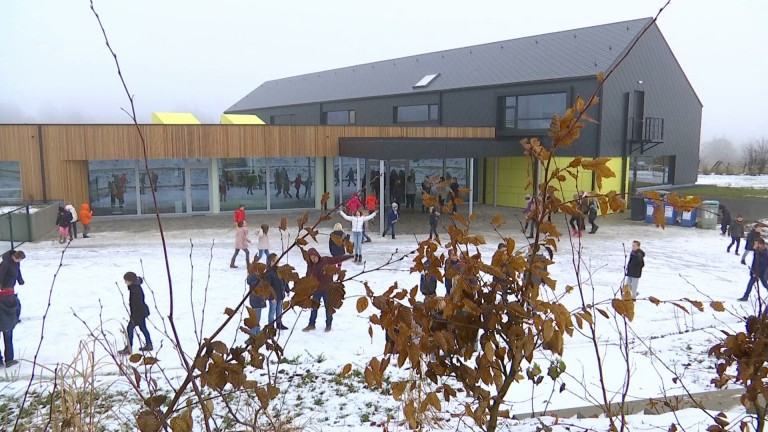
{"x":426,"y":148}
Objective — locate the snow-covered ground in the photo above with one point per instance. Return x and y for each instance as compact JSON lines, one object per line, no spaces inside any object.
{"x":680,"y":262}
{"x":747,"y":181}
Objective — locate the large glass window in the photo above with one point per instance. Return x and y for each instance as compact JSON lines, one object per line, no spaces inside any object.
{"x":339,"y":117}
{"x":112,"y":187}
{"x":168,"y":177}
{"x":292,"y":182}
{"x":532,"y":111}
{"x":652,"y":170}
{"x":10,"y":181}
{"x":345,"y":177}
{"x":285,"y":119}
{"x":417,"y":113}
{"x":243,"y":181}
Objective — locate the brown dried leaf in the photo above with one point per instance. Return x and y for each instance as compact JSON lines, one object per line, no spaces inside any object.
{"x":148,"y":421}
{"x":345,"y":370}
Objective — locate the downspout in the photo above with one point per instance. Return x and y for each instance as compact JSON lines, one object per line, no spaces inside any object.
{"x":599,"y":138}
{"x":42,"y":161}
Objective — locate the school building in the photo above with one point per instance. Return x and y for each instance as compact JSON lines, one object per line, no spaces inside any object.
{"x":454,"y":114}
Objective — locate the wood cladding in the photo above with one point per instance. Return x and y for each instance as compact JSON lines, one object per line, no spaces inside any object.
{"x":68,"y":148}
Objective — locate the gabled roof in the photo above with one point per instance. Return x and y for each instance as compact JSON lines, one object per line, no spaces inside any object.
{"x":566,"y":54}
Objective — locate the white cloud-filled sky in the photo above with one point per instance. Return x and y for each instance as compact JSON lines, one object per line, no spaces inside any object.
{"x":203,"y":56}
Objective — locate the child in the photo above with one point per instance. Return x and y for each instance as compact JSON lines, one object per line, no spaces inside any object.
{"x":529,"y":212}
{"x":358,"y":225}
{"x":725,"y":220}
{"x":392,"y":217}
{"x":73,"y":224}
{"x":281,"y":290}
{"x":427,"y":282}
{"x":240,"y":214}
{"x":63,"y":220}
{"x":241,"y":243}
{"x":263,"y":241}
{"x":635,"y":267}
{"x":758,"y":268}
{"x":752,"y":237}
{"x":592,"y":214}
{"x":139,"y":312}
{"x":736,"y":229}
{"x":336,"y":242}
{"x":434,"y":220}
{"x":85,"y":218}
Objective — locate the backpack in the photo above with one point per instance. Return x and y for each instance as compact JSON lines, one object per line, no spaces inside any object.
{"x":255,"y":301}
{"x":428,"y":285}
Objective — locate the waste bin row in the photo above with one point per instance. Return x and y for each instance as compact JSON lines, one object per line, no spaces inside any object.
{"x":704,"y":217}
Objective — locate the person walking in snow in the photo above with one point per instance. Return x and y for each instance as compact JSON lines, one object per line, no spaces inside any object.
{"x":262,"y":242}
{"x":358,"y":225}
{"x":12,"y":259}
{"x":85,"y":218}
{"x":392,"y":217}
{"x":315,"y":269}
{"x":752,"y":236}
{"x":139,"y":311}
{"x":241,"y":243}
{"x":592,"y":215}
{"x":257,"y":302}
{"x":450,"y":268}
{"x":280,"y":288}
{"x":725,"y":219}
{"x":73,"y":224}
{"x":635,"y":267}
{"x":63,"y":221}
{"x":758,"y":268}
{"x":736,"y":230}
{"x":529,"y":212}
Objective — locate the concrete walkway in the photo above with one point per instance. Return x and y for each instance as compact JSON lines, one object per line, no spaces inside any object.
{"x":716,"y":400}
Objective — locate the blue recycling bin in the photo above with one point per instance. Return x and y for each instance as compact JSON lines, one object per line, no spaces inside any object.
{"x":649,"y":211}
{"x":670,"y":214}
{"x":688,"y":218}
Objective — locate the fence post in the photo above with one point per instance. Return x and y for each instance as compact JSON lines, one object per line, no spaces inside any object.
{"x":29,"y":226}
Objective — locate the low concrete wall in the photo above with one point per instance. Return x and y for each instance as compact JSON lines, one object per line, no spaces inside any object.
{"x":22,"y":227}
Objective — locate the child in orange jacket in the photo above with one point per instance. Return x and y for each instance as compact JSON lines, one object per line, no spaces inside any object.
{"x":85,"y":218}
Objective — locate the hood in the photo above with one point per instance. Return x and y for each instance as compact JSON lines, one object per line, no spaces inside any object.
{"x":640,"y":252}
{"x":354,"y":194}
{"x":313,"y":252}
{"x":69,"y":207}
{"x":85,"y":207}
{"x":139,"y":280}
{"x":7,"y":256}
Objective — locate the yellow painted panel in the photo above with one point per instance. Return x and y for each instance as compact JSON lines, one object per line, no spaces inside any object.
{"x":571,"y":186}
{"x":174,"y":118}
{"x":513,"y":177}
{"x":613,"y":184}
{"x":239,"y":119}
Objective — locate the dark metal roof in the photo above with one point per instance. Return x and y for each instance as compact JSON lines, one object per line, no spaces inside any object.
{"x":565,"y":54}
{"x":426,"y":148}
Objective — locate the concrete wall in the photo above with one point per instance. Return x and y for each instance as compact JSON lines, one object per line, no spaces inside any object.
{"x":20,"y":227}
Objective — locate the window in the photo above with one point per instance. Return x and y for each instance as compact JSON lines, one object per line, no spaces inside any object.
{"x":417,"y":113}
{"x":532,"y":111}
{"x":339,"y":117}
{"x":10,"y":180}
{"x":285,"y":119}
{"x":427,"y":80}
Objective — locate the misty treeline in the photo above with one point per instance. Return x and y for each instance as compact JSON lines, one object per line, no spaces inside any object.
{"x":722,"y":156}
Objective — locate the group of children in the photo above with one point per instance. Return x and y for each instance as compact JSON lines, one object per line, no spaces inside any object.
{"x":754,"y":244}
{"x":67,"y":219}
{"x":242,"y":239}
{"x":585,"y":204}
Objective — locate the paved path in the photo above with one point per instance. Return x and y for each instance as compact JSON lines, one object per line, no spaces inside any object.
{"x":715,"y":400}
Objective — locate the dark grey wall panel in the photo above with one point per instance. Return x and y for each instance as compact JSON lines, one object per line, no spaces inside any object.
{"x":668,"y":95}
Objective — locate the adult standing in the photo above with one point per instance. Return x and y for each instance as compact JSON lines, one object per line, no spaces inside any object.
{"x":725,"y":219}
{"x":758,"y":268}
{"x":635,"y":267}
{"x":358,"y":225}
{"x":12,"y":259}
{"x":9,"y":303}
{"x":73,"y":224}
{"x":753,"y":235}
{"x":410,"y":192}
{"x":315,"y":269}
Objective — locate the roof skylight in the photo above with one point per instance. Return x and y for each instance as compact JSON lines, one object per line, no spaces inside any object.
{"x":427,"y":80}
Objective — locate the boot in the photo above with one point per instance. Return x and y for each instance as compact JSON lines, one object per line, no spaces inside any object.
{"x":232,"y":264}
{"x":728,"y":249}
{"x":355,"y":260}
{"x":308,"y":328}
{"x":360,"y":258}
{"x":328,"y":328}
{"x":125,"y":351}
{"x":147,"y":347}
{"x":280,"y":326}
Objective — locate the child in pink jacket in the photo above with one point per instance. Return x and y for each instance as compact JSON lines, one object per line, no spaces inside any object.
{"x":263,"y":242}
{"x":241,"y":243}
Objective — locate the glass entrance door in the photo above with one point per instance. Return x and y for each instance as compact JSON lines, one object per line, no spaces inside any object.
{"x":396,"y":174}
{"x":197,"y":188}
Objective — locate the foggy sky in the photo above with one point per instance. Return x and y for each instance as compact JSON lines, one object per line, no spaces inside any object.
{"x":203,"y":56}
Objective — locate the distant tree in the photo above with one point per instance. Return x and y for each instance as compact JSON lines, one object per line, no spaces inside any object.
{"x":718,"y":150}
{"x":755,"y":155}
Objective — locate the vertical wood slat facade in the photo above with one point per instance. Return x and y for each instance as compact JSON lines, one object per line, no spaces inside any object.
{"x":66,"y":149}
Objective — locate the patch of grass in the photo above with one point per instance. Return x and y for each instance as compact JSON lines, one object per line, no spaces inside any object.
{"x":708,"y":192}
{"x":291,"y":360}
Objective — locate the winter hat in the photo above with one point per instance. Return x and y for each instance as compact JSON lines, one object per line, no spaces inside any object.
{"x":394,"y":205}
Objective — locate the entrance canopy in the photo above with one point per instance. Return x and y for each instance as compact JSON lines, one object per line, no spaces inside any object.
{"x":426,"y":148}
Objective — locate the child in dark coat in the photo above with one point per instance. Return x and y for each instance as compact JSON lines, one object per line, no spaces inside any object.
{"x":392,"y":217}
{"x":592,"y":215}
{"x":635,"y":267}
{"x":139,"y":312}
{"x":725,"y":219}
{"x":752,"y":237}
{"x":63,"y":221}
{"x":758,"y":268}
{"x":736,"y":230}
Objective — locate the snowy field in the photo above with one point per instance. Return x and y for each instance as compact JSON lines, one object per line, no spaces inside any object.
{"x":680,"y":262}
{"x":746,"y":181}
